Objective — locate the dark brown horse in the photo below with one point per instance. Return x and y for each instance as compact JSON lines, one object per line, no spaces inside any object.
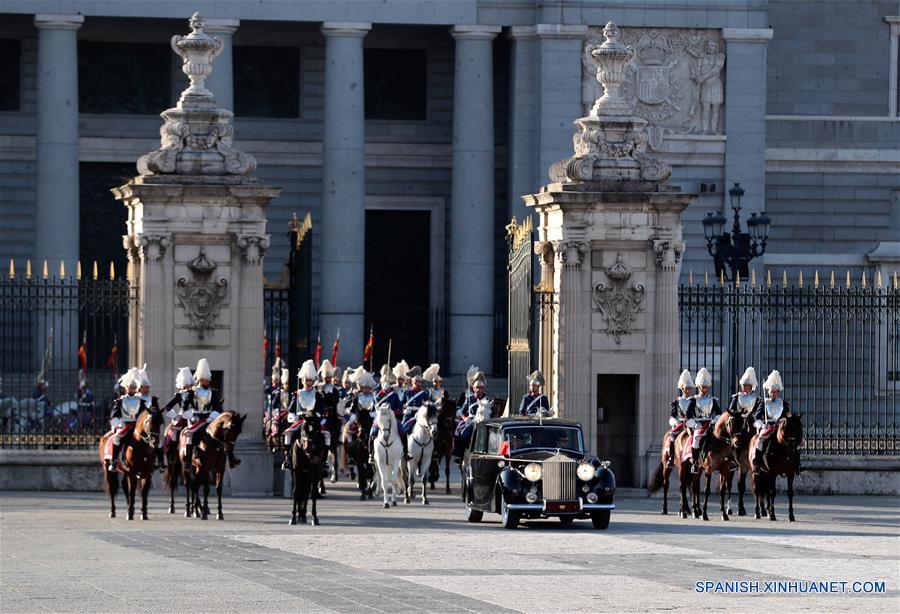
{"x":307,"y":460}
{"x":139,"y":456}
{"x":742,"y":459}
{"x":355,"y":438}
{"x":173,"y":460}
{"x":217,"y":441}
{"x":663,"y":471}
{"x":443,"y":444}
{"x":780,"y":458}
{"x":719,"y":459}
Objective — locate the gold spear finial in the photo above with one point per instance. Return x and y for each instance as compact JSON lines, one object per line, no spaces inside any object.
{"x":96,"y":272}
{"x":45,"y":270}
{"x":722,"y":277}
{"x":769,"y":278}
{"x":737,"y":279}
{"x":28,"y":269}
{"x":816,"y":280}
{"x":691,"y":277}
{"x":78,"y":269}
{"x":62,"y":269}
{"x":895,"y":280}
{"x":848,"y":278}
{"x":784,"y":279}
{"x":864,"y":279}
{"x":800,"y":284}
{"x":832,"y":279}
{"x":12,"y":269}
{"x":753,"y":278}
{"x":706,"y":278}
{"x":879,"y":279}
{"x":112,"y":269}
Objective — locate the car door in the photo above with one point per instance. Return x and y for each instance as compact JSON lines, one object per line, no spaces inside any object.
{"x":485,"y":471}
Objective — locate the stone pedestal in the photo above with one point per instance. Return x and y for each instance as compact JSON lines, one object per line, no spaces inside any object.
{"x":610,"y":241}
{"x":196,"y":237}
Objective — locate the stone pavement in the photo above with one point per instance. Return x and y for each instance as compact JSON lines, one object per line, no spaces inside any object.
{"x":60,"y":553}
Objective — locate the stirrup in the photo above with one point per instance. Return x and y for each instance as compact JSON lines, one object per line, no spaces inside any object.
{"x":285,"y":466}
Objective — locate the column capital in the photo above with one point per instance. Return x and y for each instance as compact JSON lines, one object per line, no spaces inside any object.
{"x":220,"y":26}
{"x":522,"y":33}
{"x":747,"y":35}
{"x":345,"y":28}
{"x":894,"y":21}
{"x":474,"y":32}
{"x":560,"y":30}
{"x":44,"y":21}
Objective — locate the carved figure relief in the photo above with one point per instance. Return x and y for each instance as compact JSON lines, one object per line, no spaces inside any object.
{"x":619,"y":302}
{"x":675,"y":81}
{"x":201,"y":297}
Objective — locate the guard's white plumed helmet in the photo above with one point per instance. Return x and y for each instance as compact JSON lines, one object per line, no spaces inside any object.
{"x":285,"y":376}
{"x":145,"y":379}
{"x":749,"y":377}
{"x":184,"y":378}
{"x":326,"y":369}
{"x":401,"y":369}
{"x":432,"y":372}
{"x":202,"y":371}
{"x":536,"y":379}
{"x":337,"y":374}
{"x":685,"y":380}
{"x":366,"y":380}
{"x":132,"y":377}
{"x":703,"y":378}
{"x":773,"y":382}
{"x":307,"y":371}
{"x":471,"y":373}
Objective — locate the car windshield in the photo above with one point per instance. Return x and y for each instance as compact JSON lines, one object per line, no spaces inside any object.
{"x":552,"y":437}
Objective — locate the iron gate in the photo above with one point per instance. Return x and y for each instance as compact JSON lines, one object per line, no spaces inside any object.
{"x":837,"y":348}
{"x":520,"y":320}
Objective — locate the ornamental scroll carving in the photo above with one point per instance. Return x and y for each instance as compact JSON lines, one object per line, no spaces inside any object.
{"x":253,"y":247}
{"x":619,"y":302}
{"x":201,"y":297}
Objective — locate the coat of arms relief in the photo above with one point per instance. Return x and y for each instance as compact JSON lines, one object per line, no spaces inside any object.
{"x":675,"y":81}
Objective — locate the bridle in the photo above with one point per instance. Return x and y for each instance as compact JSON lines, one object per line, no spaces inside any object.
{"x":147,"y":435}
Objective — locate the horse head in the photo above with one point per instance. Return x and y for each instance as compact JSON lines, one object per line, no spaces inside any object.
{"x":227,"y":428}
{"x":311,"y":439}
{"x":385,"y":421}
{"x":148,"y":425}
{"x":484,"y":410}
{"x":735,"y":427}
{"x":790,"y":430}
{"x":427,"y":417}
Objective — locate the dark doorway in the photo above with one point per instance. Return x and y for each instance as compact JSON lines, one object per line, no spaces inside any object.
{"x":617,"y":424}
{"x":398,"y":269}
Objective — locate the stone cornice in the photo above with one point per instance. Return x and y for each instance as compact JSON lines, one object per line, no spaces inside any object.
{"x":747,"y":35}
{"x":345,"y":28}
{"x":517,"y":33}
{"x":894,"y":20}
{"x":558,"y":30}
{"x":222,"y":26}
{"x":475,"y":32}
{"x":58,"y":22}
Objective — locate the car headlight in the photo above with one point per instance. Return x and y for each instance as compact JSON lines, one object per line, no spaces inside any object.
{"x":585,"y":472}
{"x":533,"y":472}
{"x":531,"y":497}
{"x":591,"y":497}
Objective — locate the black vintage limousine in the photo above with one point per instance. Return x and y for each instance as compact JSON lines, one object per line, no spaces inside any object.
{"x":529,"y":468}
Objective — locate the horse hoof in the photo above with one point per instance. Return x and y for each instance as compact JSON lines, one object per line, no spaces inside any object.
{"x":130,"y":516}
{"x":334,"y":480}
{"x":757,"y":516}
{"x":406,"y":501}
{"x":187,"y":514}
{"x":684,"y":514}
{"x":772,"y":517}
{"x":426,"y":502}
{"x":665,"y":512}
{"x":145,"y":517}
{"x":387,"y":506}
{"x":705,"y":517}
{"x":791,"y":518}
{"x":432,"y":487}
{"x":302,"y":519}
{"x":742,"y":512}
{"x":220,"y":516}
{"x":112,"y":514}
{"x":315,"y":521}
{"x":292,"y":521}
{"x":394,"y":503}
{"x":171,"y":509}
{"x":447,"y":492}
{"x":725,"y":517}
{"x":362,"y":497}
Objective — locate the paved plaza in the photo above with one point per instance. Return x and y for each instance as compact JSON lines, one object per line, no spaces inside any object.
{"x":60,"y":553}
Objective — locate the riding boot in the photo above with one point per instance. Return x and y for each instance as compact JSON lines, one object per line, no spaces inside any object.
{"x":671,"y":461}
{"x":757,"y":461}
{"x":233,"y":460}
{"x":111,"y":463}
{"x":286,"y":465}
{"x":695,"y":460}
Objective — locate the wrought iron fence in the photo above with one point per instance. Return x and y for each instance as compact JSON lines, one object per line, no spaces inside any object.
{"x":837,"y":348}
{"x":63,"y":342}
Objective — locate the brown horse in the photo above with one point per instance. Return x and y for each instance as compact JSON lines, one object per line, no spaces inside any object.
{"x":742,"y":459}
{"x":719,"y":458}
{"x":217,"y":441}
{"x":660,"y":477}
{"x":443,"y":444}
{"x":173,"y":461}
{"x":139,"y":455}
{"x":780,"y":459}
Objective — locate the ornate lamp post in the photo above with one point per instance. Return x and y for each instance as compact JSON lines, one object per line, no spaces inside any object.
{"x":735,"y":249}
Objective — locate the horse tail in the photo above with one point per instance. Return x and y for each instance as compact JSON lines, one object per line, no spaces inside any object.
{"x":656,"y":480}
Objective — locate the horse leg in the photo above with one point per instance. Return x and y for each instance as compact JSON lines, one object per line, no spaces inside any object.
{"x":112,"y":484}
{"x":758,"y":495}
{"x":729,"y":510}
{"x":172,"y":483}
{"x":336,"y":466}
{"x":132,"y":491}
{"x":424,"y":489}
{"x":447,"y":473}
{"x":204,"y":515}
{"x":308,"y":485}
{"x":294,"y":496}
{"x":771,"y":498}
{"x":145,"y":493}
{"x":683,"y":485}
{"x":724,"y":482}
{"x":742,"y":487}
{"x":315,"y":497}
{"x":219,"y":515}
{"x":706,"y":495}
{"x":790,"y":494}
{"x":666,"y":473}
{"x":410,"y":482}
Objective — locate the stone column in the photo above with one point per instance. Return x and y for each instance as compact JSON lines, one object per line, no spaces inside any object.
{"x":56,"y":204}
{"x":343,"y":187}
{"x":472,"y":201}
{"x":560,"y":90}
{"x":523,"y":175}
{"x":745,"y":113}
{"x":221,"y":81}
{"x":572,"y":375}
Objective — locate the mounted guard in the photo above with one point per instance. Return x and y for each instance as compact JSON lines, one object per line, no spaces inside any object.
{"x":701,"y":414}
{"x":306,"y":404}
{"x":124,"y":414}
{"x":766,"y":419}
{"x":681,"y":407}
{"x":151,"y":402}
{"x":535,"y":403}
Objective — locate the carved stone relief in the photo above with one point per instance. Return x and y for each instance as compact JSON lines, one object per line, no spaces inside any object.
{"x":201,"y":297}
{"x":675,"y":81}
{"x":619,"y":302}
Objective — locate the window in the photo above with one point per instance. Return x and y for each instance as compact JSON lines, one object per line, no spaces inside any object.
{"x":480,"y":440}
{"x":102,"y":218}
{"x":494,"y":439}
{"x":124,"y":78}
{"x":266,"y":81}
{"x":10,"y":62}
{"x":396,"y":83}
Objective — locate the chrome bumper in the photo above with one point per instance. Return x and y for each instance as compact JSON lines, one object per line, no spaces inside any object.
{"x":539,"y":507}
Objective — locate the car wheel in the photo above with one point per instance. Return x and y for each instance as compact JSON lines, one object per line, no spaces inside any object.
{"x":567,"y":520}
{"x":509,"y":518}
{"x":472,"y":515}
{"x":600,"y":519}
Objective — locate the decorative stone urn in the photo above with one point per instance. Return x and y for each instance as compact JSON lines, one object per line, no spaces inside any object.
{"x":196,"y":238}
{"x":610,"y":242}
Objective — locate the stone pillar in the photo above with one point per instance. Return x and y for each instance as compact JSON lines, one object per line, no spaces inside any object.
{"x":472,"y":201}
{"x":523,"y":175}
{"x":571,"y":375}
{"x":343,"y":222}
{"x":745,"y":113}
{"x":196,"y":236}
{"x":56,"y":203}
{"x":560,"y":89}
{"x":221,"y":81}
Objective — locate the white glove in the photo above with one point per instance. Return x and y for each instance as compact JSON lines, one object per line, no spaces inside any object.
{"x":692,"y":424}
{"x":672,"y":421}
{"x":292,"y":417}
{"x":352,"y":419}
{"x":759,"y":424}
{"x":287,"y":440}
{"x":115,"y":422}
{"x":213,"y":416}
{"x":327,"y":438}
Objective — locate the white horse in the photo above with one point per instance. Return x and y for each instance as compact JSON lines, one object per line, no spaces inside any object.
{"x":421,"y":447}
{"x":484,"y":411}
{"x":388,"y":452}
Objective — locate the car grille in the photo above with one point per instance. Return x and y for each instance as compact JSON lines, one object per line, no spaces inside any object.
{"x":559,"y":478}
